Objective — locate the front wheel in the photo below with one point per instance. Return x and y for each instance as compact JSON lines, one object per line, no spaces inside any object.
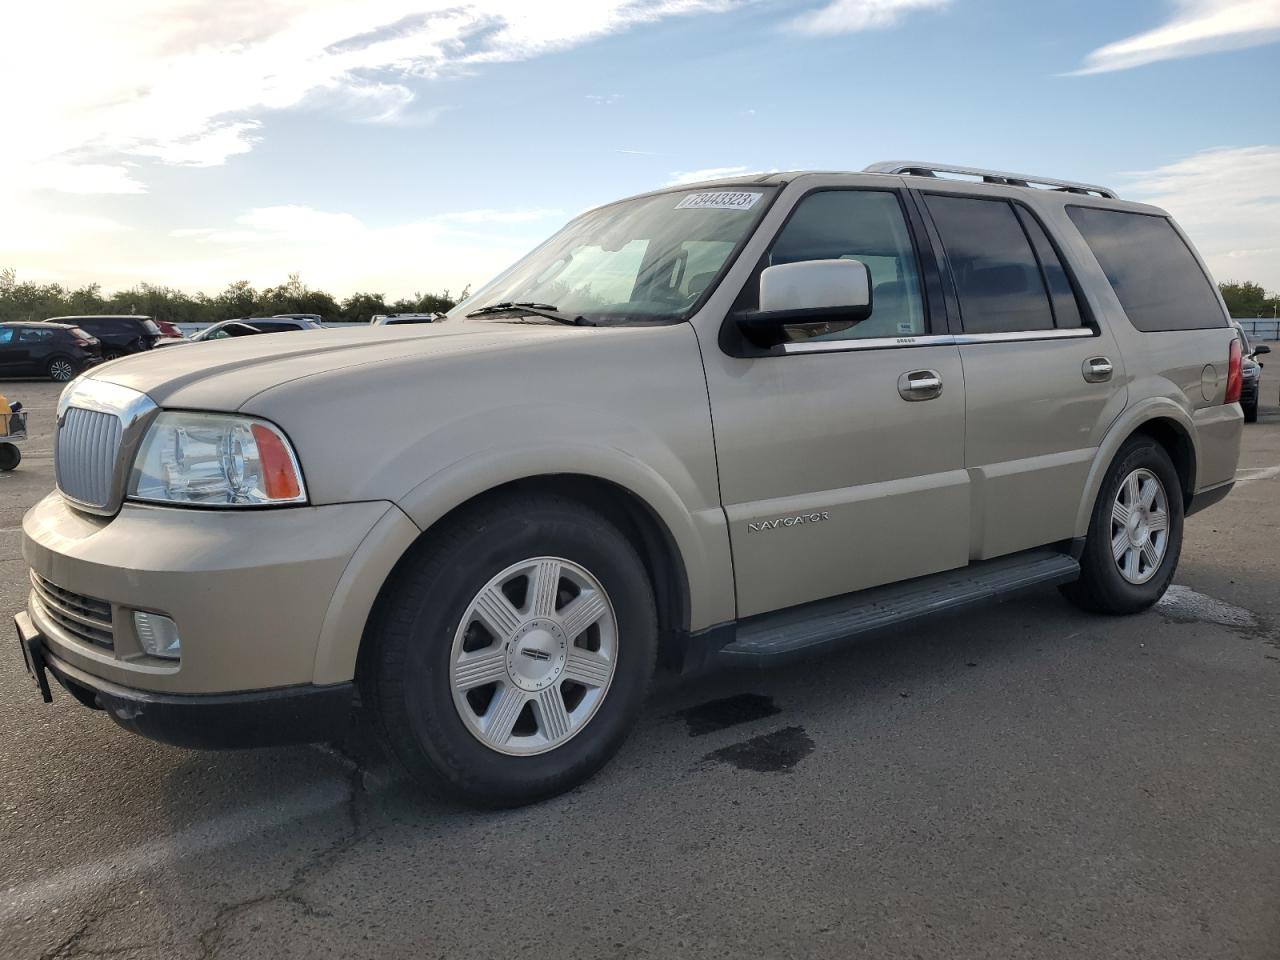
{"x":1135,"y":534}
{"x":511,"y":657}
{"x":10,"y":456}
{"x":1250,"y":411}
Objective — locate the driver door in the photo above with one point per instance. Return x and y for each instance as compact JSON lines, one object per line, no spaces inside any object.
{"x":837,"y":473}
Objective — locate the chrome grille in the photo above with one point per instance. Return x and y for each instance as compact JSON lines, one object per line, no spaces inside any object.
{"x":85,"y":618}
{"x":87,"y":449}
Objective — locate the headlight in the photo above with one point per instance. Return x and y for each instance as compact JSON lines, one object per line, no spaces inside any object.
{"x":216,"y":460}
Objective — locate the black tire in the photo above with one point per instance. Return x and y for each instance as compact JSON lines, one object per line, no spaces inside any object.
{"x":1250,"y":412}
{"x":405,"y":663}
{"x":1101,"y":587}
{"x":10,"y":456}
{"x":61,"y":369}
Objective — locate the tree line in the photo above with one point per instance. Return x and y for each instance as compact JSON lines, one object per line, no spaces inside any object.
{"x":26,"y":301}
{"x":1247,"y":300}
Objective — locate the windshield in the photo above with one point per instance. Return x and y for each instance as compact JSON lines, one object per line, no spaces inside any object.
{"x":648,"y":259}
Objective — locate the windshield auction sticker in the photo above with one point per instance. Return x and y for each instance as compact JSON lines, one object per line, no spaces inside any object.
{"x":719,"y":201}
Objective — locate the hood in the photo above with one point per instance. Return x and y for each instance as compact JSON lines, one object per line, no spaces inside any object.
{"x":225,"y":374}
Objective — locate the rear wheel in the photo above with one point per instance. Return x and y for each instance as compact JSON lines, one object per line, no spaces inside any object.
{"x":111,"y":355}
{"x":510,"y":659}
{"x":10,"y":456}
{"x":1135,"y":534}
{"x":1250,"y":411}
{"x":61,"y":369}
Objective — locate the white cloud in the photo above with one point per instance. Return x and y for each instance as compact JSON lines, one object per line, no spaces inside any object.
{"x":209,"y":148}
{"x":681,"y":177}
{"x":850,"y":16}
{"x":1197,"y":26}
{"x":67,"y":177}
{"x":1228,"y":202}
{"x":192,"y":85}
{"x":338,"y":251}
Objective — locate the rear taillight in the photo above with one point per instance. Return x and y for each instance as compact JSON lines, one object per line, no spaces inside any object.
{"x":82,"y":343}
{"x":1235,"y":380}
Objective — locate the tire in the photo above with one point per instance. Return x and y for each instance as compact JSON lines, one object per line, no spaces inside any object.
{"x":1250,"y":412}
{"x":61,"y":370}
{"x":111,"y":355}
{"x":10,"y":456}
{"x":432,"y":616}
{"x":1103,"y":587}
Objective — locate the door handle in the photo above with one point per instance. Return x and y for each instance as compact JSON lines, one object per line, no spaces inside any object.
{"x":920,"y":385}
{"x":1097,"y":370}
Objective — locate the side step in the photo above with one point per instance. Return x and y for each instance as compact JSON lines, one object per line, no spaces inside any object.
{"x":773,"y":637}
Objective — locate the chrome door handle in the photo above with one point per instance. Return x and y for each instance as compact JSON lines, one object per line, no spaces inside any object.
{"x":1098,"y":370}
{"x":920,"y":385}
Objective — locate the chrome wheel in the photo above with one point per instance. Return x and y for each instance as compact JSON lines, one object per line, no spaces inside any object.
{"x":1140,"y":526}
{"x":62,"y":371}
{"x":533,"y":656}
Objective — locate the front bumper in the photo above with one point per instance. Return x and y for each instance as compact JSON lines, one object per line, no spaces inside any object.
{"x":261,"y":718}
{"x":263,"y":600}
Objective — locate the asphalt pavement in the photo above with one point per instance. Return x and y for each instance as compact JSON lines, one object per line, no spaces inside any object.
{"x":1020,"y":780}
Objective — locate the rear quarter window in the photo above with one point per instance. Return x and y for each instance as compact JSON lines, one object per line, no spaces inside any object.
{"x":1153,"y":272}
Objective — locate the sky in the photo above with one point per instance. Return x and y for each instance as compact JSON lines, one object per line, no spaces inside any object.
{"x":406,"y":146}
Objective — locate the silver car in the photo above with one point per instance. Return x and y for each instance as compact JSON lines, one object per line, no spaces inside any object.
{"x":726,"y":423}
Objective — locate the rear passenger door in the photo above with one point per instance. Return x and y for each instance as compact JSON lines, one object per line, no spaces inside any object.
{"x":1042,"y":380}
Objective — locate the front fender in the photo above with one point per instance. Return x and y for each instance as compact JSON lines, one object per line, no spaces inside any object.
{"x":700,"y":534}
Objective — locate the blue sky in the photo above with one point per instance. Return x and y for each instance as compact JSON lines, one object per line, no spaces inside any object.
{"x":399,"y":146}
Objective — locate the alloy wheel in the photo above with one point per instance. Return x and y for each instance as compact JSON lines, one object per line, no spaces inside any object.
{"x":62,"y":371}
{"x":533,"y":656}
{"x":1140,"y":526}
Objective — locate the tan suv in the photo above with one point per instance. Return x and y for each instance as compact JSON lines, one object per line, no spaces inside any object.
{"x":722,"y":423}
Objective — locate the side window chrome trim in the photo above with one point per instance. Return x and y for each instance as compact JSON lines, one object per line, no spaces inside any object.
{"x":938,"y":340}
{"x":1006,"y":336}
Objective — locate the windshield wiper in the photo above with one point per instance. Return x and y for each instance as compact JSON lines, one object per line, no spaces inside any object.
{"x":524,"y":308}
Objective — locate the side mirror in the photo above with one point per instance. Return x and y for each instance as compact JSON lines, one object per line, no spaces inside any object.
{"x":1261,"y":349}
{"x":812,"y":291}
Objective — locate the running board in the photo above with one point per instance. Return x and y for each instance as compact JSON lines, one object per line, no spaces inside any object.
{"x":765,"y":640}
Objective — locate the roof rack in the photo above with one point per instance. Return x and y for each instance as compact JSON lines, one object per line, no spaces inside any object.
{"x":916,"y":168}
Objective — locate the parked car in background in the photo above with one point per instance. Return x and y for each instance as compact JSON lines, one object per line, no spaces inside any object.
{"x":315,"y":318}
{"x":925,"y":392}
{"x":119,"y":335}
{"x":169,"y":330}
{"x":246,"y":328}
{"x":285,"y":323}
{"x":58,"y":351}
{"x":1251,"y":374}
{"x":388,"y":319}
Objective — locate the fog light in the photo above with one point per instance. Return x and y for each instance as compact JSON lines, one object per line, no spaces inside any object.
{"x":157,"y":634}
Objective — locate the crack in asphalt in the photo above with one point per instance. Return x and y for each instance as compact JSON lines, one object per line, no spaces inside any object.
{"x":209,"y":940}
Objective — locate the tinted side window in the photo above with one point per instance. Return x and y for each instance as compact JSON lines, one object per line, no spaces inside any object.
{"x":36,"y":335}
{"x":6,"y":335}
{"x":268,"y":326}
{"x":1155,"y":277}
{"x":997,"y":276}
{"x":1066,"y":308}
{"x":865,"y":225}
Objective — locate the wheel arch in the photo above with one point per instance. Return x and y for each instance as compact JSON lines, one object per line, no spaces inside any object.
{"x":665,"y":558}
{"x":1163,"y":421}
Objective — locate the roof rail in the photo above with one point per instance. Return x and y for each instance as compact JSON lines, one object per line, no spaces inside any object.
{"x":917,"y":168}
